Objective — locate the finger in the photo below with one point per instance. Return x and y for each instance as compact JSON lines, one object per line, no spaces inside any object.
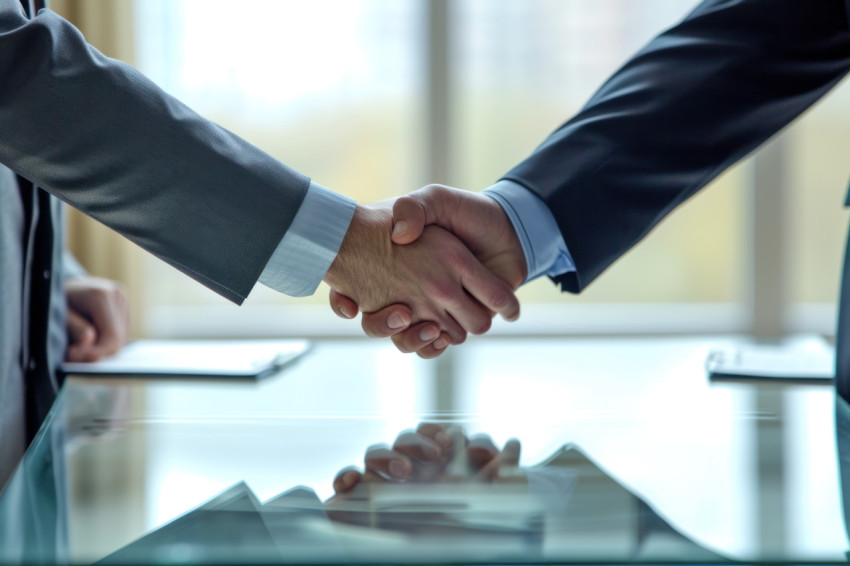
{"x":436,"y":348}
{"x":80,"y":331}
{"x":342,"y":305}
{"x":388,"y":321}
{"x":388,"y":464}
{"x":471,"y":315}
{"x":508,"y":458}
{"x":109,"y":341}
{"x":81,"y":338}
{"x":481,"y":451}
{"x":449,"y":300}
{"x":408,"y":219}
{"x":346,"y":479}
{"x":447,"y":290}
{"x":439,"y":433}
{"x":490,"y":291}
{"x":417,"y":337}
{"x":419,"y":447}
{"x":455,"y":332}
{"x":109,"y":320}
{"x":510,"y":453}
{"x":104,"y":305}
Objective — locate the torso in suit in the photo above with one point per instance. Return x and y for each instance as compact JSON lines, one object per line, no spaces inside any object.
{"x":12,"y":433}
{"x":98,"y":135}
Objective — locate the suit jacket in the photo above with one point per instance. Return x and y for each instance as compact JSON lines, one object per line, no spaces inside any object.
{"x":695,"y":100}
{"x":98,"y":135}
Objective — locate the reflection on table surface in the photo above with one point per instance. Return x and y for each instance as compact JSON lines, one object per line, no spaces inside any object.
{"x":600,"y":450}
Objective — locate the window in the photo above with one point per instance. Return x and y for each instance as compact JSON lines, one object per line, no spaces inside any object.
{"x":349,"y":91}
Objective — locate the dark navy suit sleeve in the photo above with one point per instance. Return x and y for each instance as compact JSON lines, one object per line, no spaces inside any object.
{"x":103,"y":138}
{"x":695,"y":100}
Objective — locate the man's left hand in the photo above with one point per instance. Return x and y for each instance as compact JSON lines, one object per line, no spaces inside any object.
{"x":98,"y":318}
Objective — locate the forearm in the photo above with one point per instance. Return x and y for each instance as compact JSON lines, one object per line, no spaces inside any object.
{"x":697,"y":99}
{"x":100,"y":136}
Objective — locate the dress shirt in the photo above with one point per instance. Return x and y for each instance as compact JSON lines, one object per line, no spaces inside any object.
{"x":309,"y":247}
{"x":545,"y":251}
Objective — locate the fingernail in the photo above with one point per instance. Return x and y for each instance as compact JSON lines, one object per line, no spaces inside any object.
{"x":396,"y":321}
{"x":440,"y":343}
{"x":399,"y":468}
{"x":428,"y":333}
{"x":400,"y":228}
{"x":342,"y":310}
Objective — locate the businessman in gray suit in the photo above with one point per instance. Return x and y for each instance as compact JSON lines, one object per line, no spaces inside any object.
{"x":78,"y":127}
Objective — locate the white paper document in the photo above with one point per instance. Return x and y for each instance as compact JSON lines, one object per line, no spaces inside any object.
{"x":196,"y":358}
{"x":802,"y":358}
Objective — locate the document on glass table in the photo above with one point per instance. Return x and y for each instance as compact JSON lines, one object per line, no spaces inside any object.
{"x":234,"y":359}
{"x":807,"y":359}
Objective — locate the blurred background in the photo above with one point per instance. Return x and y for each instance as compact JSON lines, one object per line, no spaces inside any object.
{"x":375,"y":98}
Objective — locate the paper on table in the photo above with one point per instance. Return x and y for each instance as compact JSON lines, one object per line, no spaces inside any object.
{"x":803,"y":358}
{"x":196,"y":358}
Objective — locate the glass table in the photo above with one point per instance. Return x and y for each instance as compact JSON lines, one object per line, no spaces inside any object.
{"x":594,"y":451}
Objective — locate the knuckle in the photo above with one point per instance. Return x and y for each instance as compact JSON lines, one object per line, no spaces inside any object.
{"x":401,"y":344}
{"x":459,"y":259}
{"x":481,"y":325}
{"x":429,"y":353}
{"x":436,"y":189}
{"x":370,"y":329}
{"x":403,"y":202}
{"x":444,"y":292}
{"x":500,"y":299}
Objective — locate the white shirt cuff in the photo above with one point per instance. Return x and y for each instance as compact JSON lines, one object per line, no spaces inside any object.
{"x":309,"y":247}
{"x":545,"y":251}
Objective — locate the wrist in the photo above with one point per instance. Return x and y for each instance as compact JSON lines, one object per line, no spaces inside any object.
{"x":365,"y":253}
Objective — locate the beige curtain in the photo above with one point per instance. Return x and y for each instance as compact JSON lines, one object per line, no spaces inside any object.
{"x":108,"y":26}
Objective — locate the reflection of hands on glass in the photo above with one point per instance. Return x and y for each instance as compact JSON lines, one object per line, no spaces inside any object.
{"x":479,"y":222}
{"x":98,"y":318}
{"x":436,"y":277}
{"x":435,"y":453}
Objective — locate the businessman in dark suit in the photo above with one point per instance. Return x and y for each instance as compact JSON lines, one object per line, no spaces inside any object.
{"x":79,"y":127}
{"x":696,"y":99}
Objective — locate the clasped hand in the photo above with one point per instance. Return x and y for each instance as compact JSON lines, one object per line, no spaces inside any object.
{"x":98,"y":318}
{"x":440,"y":265}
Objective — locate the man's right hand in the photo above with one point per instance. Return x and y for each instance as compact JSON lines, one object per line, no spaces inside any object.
{"x":478,"y":221}
{"x":437,"y":277}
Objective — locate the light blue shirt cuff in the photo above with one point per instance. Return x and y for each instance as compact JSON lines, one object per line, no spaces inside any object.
{"x":545,"y":251}
{"x":309,"y":247}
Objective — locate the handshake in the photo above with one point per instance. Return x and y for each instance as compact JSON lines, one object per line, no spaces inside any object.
{"x":428,"y":268}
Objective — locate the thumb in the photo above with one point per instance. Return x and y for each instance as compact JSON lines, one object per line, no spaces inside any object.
{"x":408,"y":220}
{"x":433,"y":204}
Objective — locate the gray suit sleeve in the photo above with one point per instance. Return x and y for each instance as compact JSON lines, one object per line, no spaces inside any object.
{"x":100,"y":136}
